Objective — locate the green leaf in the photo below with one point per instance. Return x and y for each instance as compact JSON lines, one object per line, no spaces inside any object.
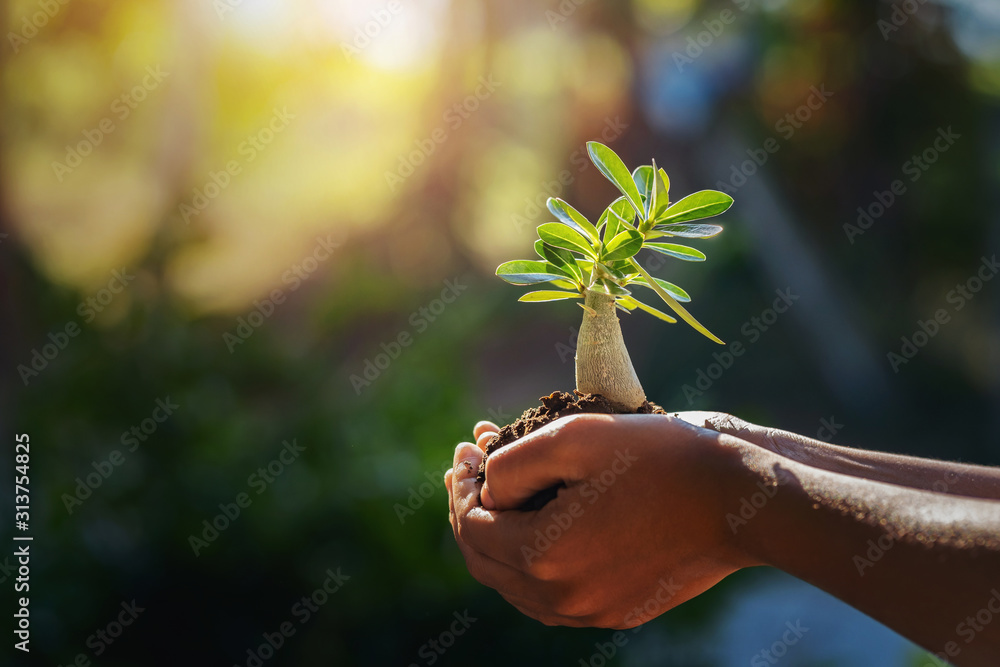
{"x":694,"y":230}
{"x":612,"y":288}
{"x":699,"y":205}
{"x":611,"y":271}
{"x":616,"y":217}
{"x":674,"y":290}
{"x":562,"y":236}
{"x":613,"y":223}
{"x":666,"y":181}
{"x":643,"y":178}
{"x":678,"y":251}
{"x":647,"y":309}
{"x":674,"y":306}
{"x":659,"y":200}
{"x":570,"y":216}
{"x":623,"y":245}
{"x":609,"y":164}
{"x":560,"y":257}
{"x":550,"y":295}
{"x":565,"y":284}
{"x":527,"y":272}
{"x":624,"y":210}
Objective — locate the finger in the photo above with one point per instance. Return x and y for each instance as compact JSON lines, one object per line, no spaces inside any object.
{"x":482,"y":427}
{"x":503,"y":578}
{"x":484,"y":439}
{"x":451,"y":509}
{"x":465,"y":469}
{"x":535,"y":462}
{"x":496,"y":535}
{"x":539,"y":610}
{"x":464,"y":485}
{"x":451,"y":503}
{"x":542,"y":612}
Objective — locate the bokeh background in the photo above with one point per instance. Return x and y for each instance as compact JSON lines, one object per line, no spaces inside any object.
{"x":286,"y":187}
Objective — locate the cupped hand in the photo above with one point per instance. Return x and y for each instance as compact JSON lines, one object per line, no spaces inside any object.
{"x":638,"y":528}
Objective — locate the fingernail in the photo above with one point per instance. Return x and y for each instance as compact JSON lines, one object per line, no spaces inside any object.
{"x":484,"y":439}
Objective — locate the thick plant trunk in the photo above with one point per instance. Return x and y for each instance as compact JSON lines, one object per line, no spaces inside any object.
{"x":602,"y":362}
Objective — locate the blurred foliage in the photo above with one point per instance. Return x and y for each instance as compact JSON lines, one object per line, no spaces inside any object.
{"x":424,"y":145}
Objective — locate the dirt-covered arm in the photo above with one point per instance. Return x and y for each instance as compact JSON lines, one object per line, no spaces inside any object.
{"x":931,"y":475}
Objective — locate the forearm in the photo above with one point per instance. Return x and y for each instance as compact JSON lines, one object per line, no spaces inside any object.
{"x":926,"y":474}
{"x":923,"y":563}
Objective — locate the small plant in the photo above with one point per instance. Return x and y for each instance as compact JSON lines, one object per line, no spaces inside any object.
{"x":597,"y":263}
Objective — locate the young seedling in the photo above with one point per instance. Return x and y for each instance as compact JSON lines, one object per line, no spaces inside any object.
{"x":597,"y":263}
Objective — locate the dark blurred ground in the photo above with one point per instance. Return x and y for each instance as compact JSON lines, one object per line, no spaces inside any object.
{"x":284,"y":196}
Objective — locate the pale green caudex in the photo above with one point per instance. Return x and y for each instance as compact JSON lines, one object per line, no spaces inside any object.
{"x":597,"y":263}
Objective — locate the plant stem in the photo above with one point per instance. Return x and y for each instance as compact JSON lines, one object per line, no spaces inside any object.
{"x":602,"y":362}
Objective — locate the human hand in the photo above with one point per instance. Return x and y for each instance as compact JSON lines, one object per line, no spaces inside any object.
{"x":638,"y":528}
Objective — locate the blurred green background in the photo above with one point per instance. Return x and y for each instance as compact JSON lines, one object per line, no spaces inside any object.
{"x":237,"y":207}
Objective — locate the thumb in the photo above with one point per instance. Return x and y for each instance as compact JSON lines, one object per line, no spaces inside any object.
{"x":533,"y":463}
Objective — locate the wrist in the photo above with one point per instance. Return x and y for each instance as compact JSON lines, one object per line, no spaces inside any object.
{"x":751,"y":483}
